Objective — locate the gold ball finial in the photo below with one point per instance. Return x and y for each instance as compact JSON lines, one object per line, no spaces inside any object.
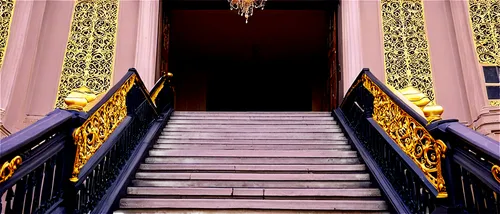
{"x":431,"y":112}
{"x":79,"y":98}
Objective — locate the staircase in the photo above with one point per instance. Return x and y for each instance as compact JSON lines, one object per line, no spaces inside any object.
{"x":242,"y":162}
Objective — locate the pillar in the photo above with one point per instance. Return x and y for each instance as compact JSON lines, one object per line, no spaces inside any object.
{"x":352,"y":55}
{"x":147,"y":34}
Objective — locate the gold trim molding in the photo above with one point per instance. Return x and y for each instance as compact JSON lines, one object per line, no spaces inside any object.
{"x":6,"y":12}
{"x":406,"y":49}
{"x":96,"y":129}
{"x":413,"y":138}
{"x":9,"y":167}
{"x":90,"y":51}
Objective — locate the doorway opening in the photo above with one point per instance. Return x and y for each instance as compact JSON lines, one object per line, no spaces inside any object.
{"x":279,"y":61}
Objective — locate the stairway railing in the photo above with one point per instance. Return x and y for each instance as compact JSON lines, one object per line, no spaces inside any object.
{"x":80,"y":162}
{"x":417,"y":165}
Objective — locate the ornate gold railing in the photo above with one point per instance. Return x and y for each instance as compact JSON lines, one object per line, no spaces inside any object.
{"x":97,"y":128}
{"x":411,"y":136}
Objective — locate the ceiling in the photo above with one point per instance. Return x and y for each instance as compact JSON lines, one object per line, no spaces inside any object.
{"x":270,"y":4}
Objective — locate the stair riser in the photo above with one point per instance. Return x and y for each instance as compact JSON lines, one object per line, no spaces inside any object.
{"x":246,"y":114}
{"x":253,"y":153}
{"x":253,"y":192}
{"x":254,"y":168}
{"x":252,"y":142}
{"x":264,"y":135}
{"x":250,"y":176}
{"x":250,"y":127}
{"x":251,"y":147}
{"x":276,"y":137}
{"x":253,"y":122}
{"x":254,"y":184}
{"x":253,"y":130}
{"x":225,"y":160}
{"x":251,"y":118}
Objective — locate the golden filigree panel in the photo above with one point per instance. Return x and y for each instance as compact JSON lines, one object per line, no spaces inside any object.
{"x":413,"y":138}
{"x":90,"y":51}
{"x":485,"y":26}
{"x":6,"y":13}
{"x":406,"y":49}
{"x":96,"y":129}
{"x":8,"y":168}
{"x":485,"y":23}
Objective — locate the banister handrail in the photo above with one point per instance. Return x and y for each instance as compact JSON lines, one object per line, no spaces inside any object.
{"x":38,"y":161}
{"x":387,"y":91}
{"x":465,"y":164}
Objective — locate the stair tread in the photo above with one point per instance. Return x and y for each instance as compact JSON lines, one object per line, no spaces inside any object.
{"x":228,"y":167}
{"x":252,"y":153}
{"x":251,"y":147}
{"x":254,"y":204}
{"x":364,"y":192}
{"x":251,"y":176}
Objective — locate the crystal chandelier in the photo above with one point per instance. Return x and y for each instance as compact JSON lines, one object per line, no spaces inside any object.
{"x":245,"y":7}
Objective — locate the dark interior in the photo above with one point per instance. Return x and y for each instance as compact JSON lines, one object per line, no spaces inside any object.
{"x":276,"y":62}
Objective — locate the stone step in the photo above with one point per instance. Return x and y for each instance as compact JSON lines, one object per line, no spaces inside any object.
{"x":168,"y":191}
{"x":252,"y":147}
{"x":249,"y":130}
{"x":253,"y":118}
{"x":254,"y":134}
{"x":252,"y":160}
{"x":251,"y":126}
{"x":250,"y":177}
{"x":250,"y":141}
{"x":237,"y":211}
{"x":253,"y":184}
{"x":251,"y":137}
{"x":289,"y":114}
{"x":253,"y":168}
{"x":254,"y":122}
{"x":254,"y":153}
{"x":347,"y":205}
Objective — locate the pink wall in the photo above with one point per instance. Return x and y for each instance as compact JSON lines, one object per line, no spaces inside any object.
{"x":50,"y":55}
{"x":445,"y":61}
{"x":371,"y":36}
{"x":126,"y":38}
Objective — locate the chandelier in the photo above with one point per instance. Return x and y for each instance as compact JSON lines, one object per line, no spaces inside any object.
{"x":245,"y":7}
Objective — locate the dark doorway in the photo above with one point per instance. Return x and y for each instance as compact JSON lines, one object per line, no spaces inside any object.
{"x":276,"y":62}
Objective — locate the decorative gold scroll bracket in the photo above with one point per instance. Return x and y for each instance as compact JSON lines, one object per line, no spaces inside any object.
{"x":495,"y":171}
{"x":9,"y":167}
{"x":418,"y":144}
{"x":98,"y":127}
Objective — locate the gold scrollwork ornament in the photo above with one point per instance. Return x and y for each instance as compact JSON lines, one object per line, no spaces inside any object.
{"x":9,"y":167}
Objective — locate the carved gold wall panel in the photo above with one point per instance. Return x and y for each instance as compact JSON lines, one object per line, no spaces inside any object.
{"x":413,"y":138}
{"x":485,"y":26}
{"x":406,"y":50}
{"x":6,"y":14}
{"x":91,"y":46}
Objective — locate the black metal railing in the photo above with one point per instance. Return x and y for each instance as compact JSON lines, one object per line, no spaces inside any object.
{"x":79,"y":162}
{"x":441,"y":167}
